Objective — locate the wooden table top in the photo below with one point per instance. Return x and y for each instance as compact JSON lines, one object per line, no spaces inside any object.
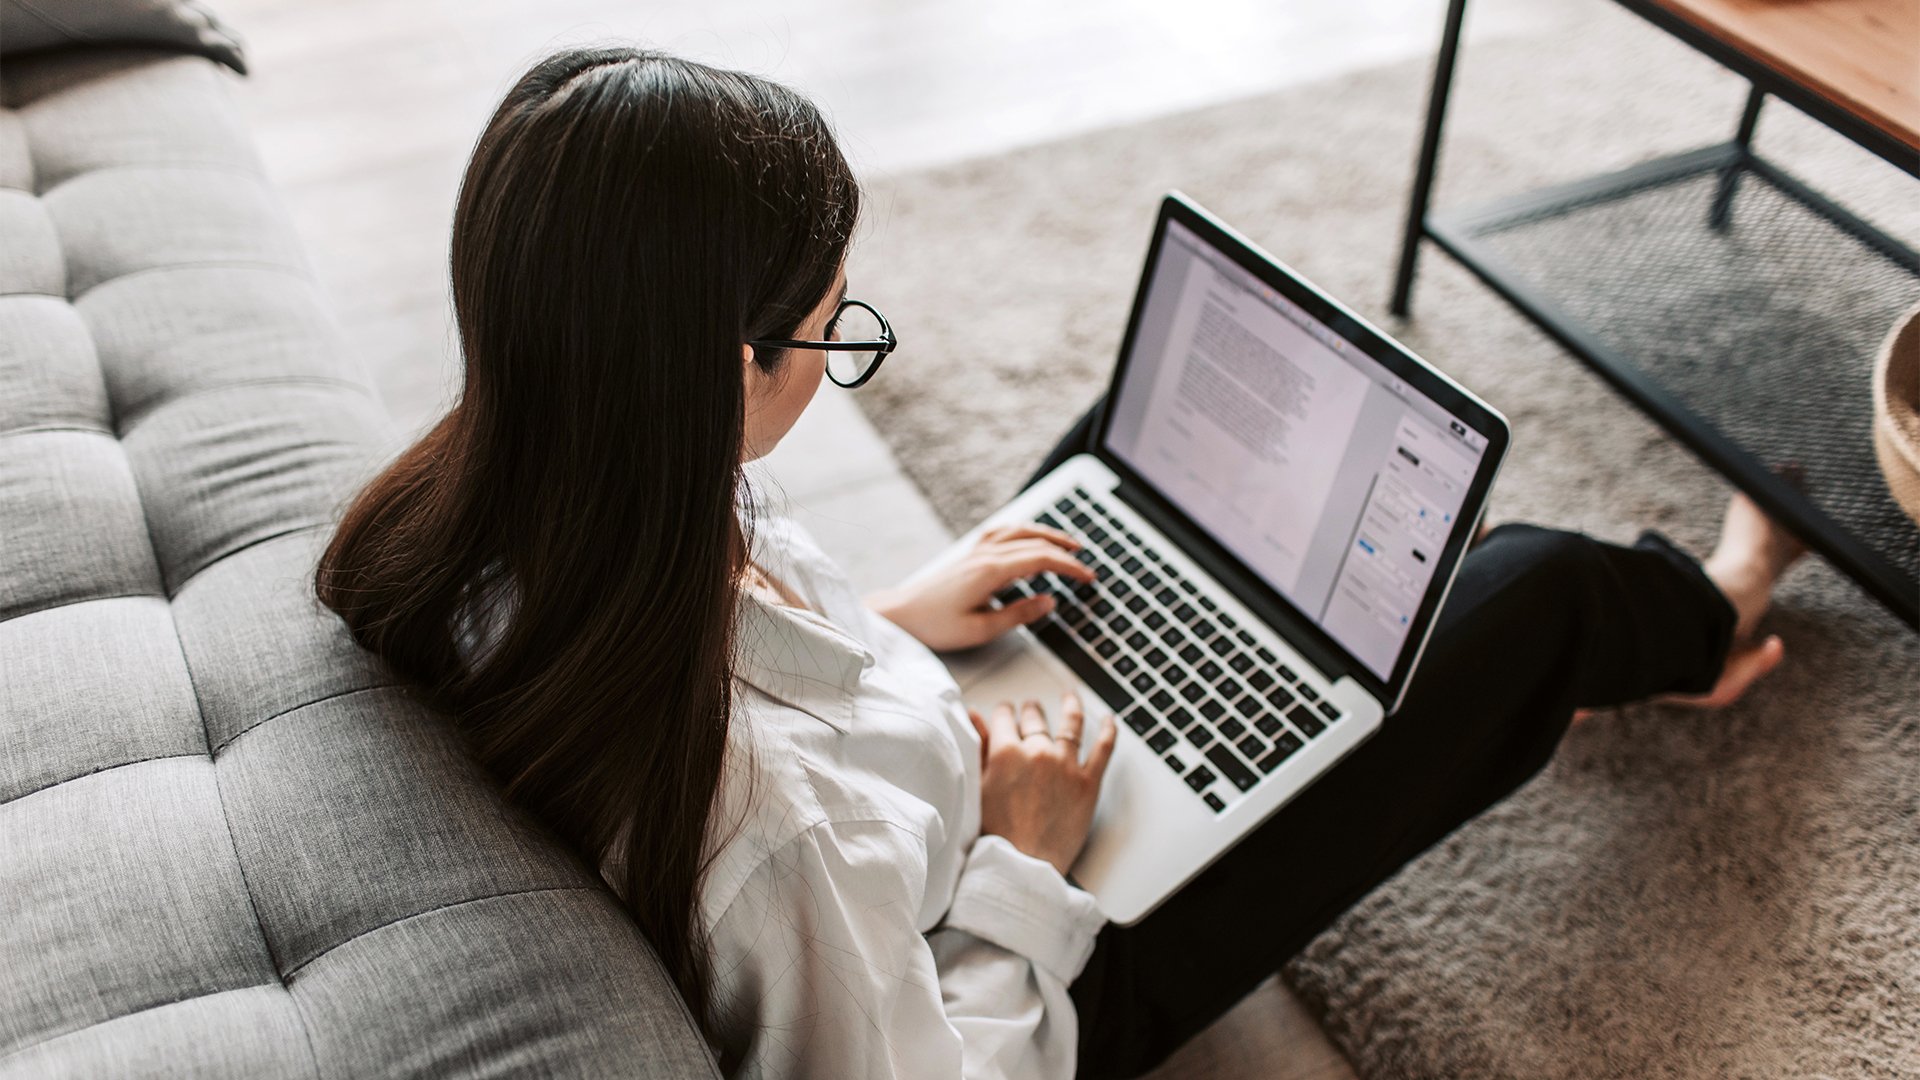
{"x":1861,"y":55}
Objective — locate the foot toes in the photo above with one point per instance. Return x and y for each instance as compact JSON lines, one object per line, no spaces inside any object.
{"x":1745,"y":666}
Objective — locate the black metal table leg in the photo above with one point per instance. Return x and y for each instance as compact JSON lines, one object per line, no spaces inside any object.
{"x":1429,"y":152}
{"x":1730,"y":176}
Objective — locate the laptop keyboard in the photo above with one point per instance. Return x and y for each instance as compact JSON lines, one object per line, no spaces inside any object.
{"x":1220,"y":708}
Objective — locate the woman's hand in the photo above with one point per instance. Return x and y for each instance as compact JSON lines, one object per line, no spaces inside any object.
{"x":951,"y":609}
{"x":1034,"y":789}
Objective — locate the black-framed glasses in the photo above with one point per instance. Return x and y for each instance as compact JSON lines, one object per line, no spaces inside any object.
{"x":859,"y":338}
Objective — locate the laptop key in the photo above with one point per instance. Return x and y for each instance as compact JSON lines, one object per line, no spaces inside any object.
{"x":1214,"y":802}
{"x":1191,"y":654}
{"x":1308,"y":692}
{"x":1231,"y":767}
{"x":1200,"y":777}
{"x":1160,"y":740}
{"x":1140,"y":720}
{"x":1155,"y":658}
{"x":1221,"y":645}
{"x":1193,"y":691}
{"x":1136,"y":605}
{"x":1137,"y":641}
{"x":1304,"y":719}
{"x":1166,"y":597}
{"x":1241,"y":662}
{"x":1199,"y":735}
{"x":1160,"y":700}
{"x":1173,"y":637}
{"x":1260,"y":680}
{"x":1267,"y":725}
{"x":1250,"y":747}
{"x":1090,"y":671}
{"x":1231,"y":728}
{"x":1288,"y":674}
{"x":1282,"y":750}
{"x":1180,"y":719}
{"x":1107,"y":647}
{"x":1210,"y":708}
{"x":1289,"y":742}
{"x":1141,"y":683}
{"x":1173,"y":762}
{"x":1327,"y":710}
{"x":1185,"y":613}
{"x":1125,"y":665}
{"x":1250,"y":706}
{"x":1203,"y":629}
{"x":1155,"y":620}
{"x":1209,"y":671}
{"x":1120,"y":623}
{"x":1266,"y":656}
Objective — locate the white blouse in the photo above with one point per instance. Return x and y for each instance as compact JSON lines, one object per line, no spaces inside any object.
{"x":860,"y":924}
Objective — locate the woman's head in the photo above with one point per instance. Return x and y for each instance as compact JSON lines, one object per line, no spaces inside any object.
{"x":628,"y":222}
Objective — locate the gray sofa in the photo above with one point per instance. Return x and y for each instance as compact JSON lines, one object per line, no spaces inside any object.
{"x":229,"y":844}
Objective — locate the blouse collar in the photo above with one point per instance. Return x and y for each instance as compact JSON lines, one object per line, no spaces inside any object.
{"x":800,"y":659}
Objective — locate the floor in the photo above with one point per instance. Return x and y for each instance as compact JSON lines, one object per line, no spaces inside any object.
{"x":365,"y":110}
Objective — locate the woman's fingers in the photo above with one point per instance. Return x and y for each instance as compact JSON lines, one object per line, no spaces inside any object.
{"x":1102,"y":750}
{"x":1033,"y":720}
{"x":1072,"y":719}
{"x":1026,"y":558}
{"x":1000,"y":725}
{"x":1030,"y":532}
{"x":1018,"y":613}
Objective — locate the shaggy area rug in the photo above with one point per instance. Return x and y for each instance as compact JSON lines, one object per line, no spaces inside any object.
{"x":1728,"y":895}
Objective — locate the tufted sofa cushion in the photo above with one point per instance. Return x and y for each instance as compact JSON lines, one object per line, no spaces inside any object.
{"x":229,"y":845}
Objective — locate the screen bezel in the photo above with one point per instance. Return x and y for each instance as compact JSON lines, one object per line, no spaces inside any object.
{"x":1301,"y":630}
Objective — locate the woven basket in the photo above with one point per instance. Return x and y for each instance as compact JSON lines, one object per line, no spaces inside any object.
{"x":1896,"y":412}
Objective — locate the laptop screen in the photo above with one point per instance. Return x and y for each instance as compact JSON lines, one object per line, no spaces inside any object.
{"x":1310,"y":461}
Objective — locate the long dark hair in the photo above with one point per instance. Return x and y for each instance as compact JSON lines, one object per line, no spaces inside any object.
{"x":627,"y":221}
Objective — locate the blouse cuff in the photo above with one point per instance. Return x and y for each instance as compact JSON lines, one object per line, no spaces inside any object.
{"x":1023,"y":905}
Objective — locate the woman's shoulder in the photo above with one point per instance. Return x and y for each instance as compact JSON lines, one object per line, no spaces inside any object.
{"x":783,"y":781}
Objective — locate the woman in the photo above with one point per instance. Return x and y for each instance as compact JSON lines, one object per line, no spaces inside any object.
{"x":844,"y":871}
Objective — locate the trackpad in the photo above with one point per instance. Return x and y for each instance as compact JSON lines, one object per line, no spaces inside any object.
{"x":1016,"y":669}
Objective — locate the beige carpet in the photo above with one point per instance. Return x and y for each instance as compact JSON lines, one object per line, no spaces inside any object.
{"x":1735,"y":895}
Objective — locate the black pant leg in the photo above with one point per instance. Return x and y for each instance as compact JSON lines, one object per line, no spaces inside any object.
{"x":1539,"y":622}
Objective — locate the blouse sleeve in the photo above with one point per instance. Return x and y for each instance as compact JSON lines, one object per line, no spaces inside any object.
{"x":833,"y":979}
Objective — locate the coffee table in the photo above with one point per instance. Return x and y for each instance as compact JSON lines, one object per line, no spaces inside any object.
{"x":1736,"y":305}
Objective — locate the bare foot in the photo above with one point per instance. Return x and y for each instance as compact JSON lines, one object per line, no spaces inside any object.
{"x":1746,"y":665}
{"x":1752,"y":554}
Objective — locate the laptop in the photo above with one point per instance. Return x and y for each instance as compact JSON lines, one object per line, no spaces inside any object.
{"x":1275,"y":506}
